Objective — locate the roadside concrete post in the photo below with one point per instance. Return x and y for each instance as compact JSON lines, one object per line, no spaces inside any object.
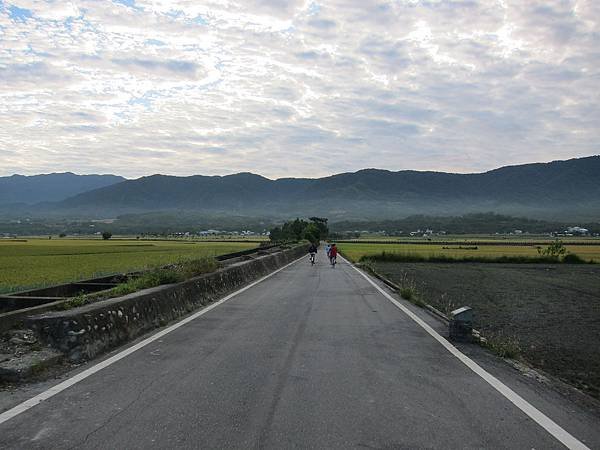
{"x":461,"y":324}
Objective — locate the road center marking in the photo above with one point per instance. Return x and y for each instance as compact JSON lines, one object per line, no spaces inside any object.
{"x":28,"y":404}
{"x":544,"y":421}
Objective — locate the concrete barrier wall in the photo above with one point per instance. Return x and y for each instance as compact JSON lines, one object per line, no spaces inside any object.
{"x":84,"y":332}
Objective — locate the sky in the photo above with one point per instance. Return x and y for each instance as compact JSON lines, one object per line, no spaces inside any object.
{"x":296,"y":88}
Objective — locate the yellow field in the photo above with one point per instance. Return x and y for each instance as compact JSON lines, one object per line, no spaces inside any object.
{"x":355,"y":251}
{"x":41,"y":262}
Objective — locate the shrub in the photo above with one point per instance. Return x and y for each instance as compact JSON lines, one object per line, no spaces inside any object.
{"x":76,"y":301}
{"x":554,"y":250}
{"x":572,"y":258}
{"x":505,"y":347}
{"x":407,"y":293}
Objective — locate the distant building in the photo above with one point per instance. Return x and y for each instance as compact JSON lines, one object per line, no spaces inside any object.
{"x":577,"y":230}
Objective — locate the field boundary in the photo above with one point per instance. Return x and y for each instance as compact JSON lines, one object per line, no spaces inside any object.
{"x":436,"y":312}
{"x":51,"y":392}
{"x":84,"y":332}
{"x":482,"y":243}
{"x":535,"y":414}
{"x":44,"y":299}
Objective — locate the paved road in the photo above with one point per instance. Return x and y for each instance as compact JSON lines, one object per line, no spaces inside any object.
{"x":312,"y":357}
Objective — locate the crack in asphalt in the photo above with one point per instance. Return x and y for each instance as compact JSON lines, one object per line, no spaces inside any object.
{"x":117,"y":414}
{"x":286,"y":369}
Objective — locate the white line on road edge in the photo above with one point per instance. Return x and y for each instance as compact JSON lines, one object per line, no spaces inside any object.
{"x":544,"y":421}
{"x":28,"y":404}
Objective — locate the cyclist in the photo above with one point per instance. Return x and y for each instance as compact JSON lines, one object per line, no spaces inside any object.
{"x":333,"y":254}
{"x":327,"y":249}
{"x":313,"y":251}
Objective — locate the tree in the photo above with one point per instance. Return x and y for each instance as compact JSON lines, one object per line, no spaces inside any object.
{"x":555,"y":250}
{"x":321,"y":224}
{"x":299,"y":229}
{"x":106,"y":235}
{"x":312,"y":233}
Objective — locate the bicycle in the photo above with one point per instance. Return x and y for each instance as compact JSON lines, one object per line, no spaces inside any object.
{"x":312,"y":259}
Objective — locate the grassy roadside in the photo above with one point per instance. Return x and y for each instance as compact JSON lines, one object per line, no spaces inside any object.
{"x":356,"y":250}
{"x":38,"y":263}
{"x":570,"y":258}
{"x":545,"y":315}
{"x":173,"y":273}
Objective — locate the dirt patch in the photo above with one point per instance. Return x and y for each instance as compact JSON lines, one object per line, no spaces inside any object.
{"x":552,"y":310}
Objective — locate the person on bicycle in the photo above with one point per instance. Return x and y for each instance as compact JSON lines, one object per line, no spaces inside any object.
{"x":333,"y":254}
{"x":327,"y":249}
{"x":312,"y":250}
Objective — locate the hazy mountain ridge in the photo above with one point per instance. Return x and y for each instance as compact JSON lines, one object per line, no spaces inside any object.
{"x":541,"y":190}
{"x":51,"y":187}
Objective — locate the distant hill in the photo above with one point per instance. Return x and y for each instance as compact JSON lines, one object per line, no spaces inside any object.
{"x":558,"y":190}
{"x":50,"y":187}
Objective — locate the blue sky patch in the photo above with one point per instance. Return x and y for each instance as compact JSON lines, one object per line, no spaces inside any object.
{"x":130,"y":3}
{"x":200,"y":20}
{"x":154,"y":42}
{"x":19,"y":14}
{"x":175,"y":13}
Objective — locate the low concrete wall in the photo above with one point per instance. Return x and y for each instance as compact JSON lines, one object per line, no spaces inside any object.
{"x":87,"y":331}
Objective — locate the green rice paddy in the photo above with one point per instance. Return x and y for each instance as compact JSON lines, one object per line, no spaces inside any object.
{"x":35,"y":263}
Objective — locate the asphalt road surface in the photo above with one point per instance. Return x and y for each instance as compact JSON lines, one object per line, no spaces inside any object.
{"x":312,"y":357}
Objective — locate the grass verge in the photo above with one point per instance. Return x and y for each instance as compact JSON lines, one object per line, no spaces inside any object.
{"x":173,"y":273}
{"x":570,"y":258}
{"x":503,"y":346}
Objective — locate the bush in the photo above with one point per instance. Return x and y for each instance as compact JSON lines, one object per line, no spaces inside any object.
{"x":505,"y":347}
{"x":106,"y":235}
{"x":572,"y":258}
{"x":407,"y":293}
{"x":554,"y":250}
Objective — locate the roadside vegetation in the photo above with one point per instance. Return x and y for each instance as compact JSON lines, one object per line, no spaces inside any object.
{"x":174,"y":273}
{"x":33,"y":263}
{"x":503,"y":346}
{"x":543,"y":314}
{"x":393,"y":252}
{"x":312,"y":230}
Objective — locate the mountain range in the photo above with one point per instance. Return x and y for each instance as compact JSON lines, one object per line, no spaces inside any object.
{"x":557,"y":190}
{"x":51,"y":187}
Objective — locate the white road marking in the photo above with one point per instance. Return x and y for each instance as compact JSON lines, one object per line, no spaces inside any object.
{"x":28,"y":404}
{"x":544,"y":421}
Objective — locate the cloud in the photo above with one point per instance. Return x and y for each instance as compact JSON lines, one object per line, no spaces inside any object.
{"x":185,"y":68}
{"x":32,"y":75}
{"x":296,"y":88}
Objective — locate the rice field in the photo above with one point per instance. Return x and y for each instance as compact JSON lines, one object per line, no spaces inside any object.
{"x":35,"y":263}
{"x":355,"y":251}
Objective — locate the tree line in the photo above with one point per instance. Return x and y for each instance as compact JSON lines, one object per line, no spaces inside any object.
{"x":313,"y":230}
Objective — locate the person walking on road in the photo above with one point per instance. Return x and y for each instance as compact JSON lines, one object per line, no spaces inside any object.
{"x":333,"y":255}
{"x":312,"y":250}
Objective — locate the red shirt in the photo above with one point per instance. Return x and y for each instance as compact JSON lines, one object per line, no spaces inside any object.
{"x":333,"y":252}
